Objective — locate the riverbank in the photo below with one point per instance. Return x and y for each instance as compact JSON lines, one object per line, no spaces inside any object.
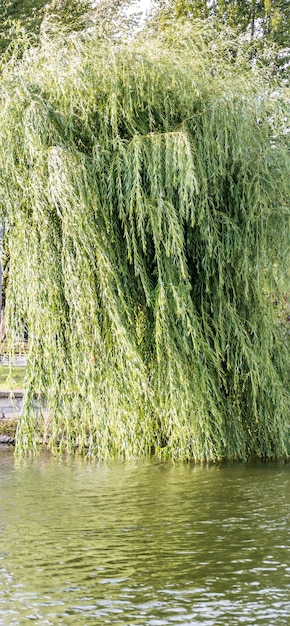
{"x":8,"y":429}
{"x":11,"y":402}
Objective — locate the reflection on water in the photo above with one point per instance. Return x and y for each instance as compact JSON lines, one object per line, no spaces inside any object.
{"x":143,"y":543}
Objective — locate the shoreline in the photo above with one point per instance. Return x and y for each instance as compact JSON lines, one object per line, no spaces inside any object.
{"x":10,"y":409}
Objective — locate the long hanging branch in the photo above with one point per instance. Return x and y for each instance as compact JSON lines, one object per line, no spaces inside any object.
{"x":145,"y":203}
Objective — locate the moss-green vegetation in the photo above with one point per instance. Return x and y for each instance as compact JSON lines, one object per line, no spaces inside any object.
{"x":144,"y":191}
{"x":8,"y":427}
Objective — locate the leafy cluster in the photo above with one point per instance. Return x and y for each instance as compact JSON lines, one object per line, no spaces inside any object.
{"x":144,"y":192}
{"x":263,"y":24}
{"x":36,"y":18}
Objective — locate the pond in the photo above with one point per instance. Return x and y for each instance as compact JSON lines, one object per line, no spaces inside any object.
{"x":144,"y":543}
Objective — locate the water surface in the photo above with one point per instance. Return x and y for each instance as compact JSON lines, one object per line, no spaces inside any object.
{"x":143,"y":543}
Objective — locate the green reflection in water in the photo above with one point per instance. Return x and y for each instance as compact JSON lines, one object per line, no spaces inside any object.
{"x":143,"y":543}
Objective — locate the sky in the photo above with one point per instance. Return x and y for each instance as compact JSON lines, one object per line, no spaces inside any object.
{"x":145,"y":5}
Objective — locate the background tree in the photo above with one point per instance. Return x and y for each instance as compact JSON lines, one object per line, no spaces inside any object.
{"x":27,"y":14}
{"x":266,"y":22}
{"x":62,"y":16}
{"x":110,"y":17}
{"x":262,"y":18}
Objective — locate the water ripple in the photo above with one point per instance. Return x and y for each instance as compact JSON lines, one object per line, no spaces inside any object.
{"x":144,"y":543}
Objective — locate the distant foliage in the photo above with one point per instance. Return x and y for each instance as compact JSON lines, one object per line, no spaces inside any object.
{"x":265,"y":24}
{"x":144,"y":192}
{"x":58,"y":17}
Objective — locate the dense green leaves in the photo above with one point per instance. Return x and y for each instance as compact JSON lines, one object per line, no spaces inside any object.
{"x":262,"y":19}
{"x":264,"y":24}
{"x":58,"y":17}
{"x":31,"y":16}
{"x":27,"y":14}
{"x":145,"y":198}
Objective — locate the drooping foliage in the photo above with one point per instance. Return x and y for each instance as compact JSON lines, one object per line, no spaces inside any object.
{"x":37,"y":18}
{"x":28,"y":15}
{"x":145,"y":201}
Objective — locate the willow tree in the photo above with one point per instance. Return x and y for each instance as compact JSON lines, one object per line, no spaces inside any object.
{"x":144,"y":192}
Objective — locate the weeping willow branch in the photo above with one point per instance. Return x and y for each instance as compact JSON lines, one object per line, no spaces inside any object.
{"x":145,"y":202}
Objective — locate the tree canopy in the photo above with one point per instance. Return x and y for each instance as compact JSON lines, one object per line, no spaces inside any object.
{"x":29,"y":15}
{"x":144,"y":193}
{"x":56,"y":17}
{"x":264,"y":19}
{"x":264,"y":23}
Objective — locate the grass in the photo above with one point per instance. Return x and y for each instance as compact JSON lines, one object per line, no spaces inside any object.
{"x":11,"y":377}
